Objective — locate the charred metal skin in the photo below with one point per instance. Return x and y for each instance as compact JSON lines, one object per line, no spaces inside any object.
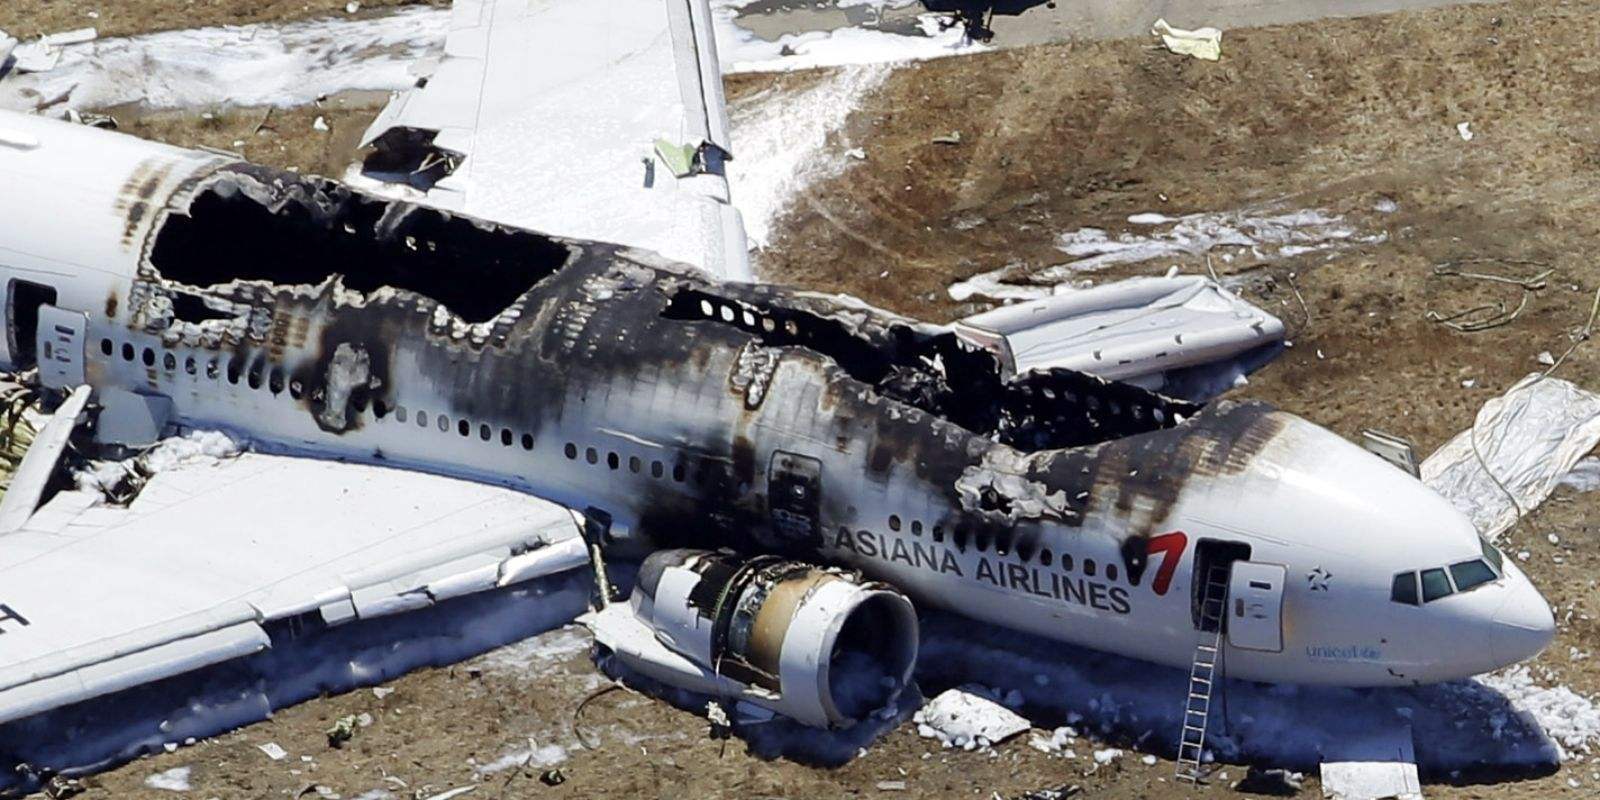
{"x":761,"y":419}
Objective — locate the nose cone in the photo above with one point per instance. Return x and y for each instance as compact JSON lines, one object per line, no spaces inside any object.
{"x":1523,"y":625}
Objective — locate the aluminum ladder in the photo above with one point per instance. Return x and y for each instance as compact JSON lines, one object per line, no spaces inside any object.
{"x":1202,"y":675}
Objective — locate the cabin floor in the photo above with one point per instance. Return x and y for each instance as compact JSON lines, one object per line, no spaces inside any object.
{"x":1358,"y":118}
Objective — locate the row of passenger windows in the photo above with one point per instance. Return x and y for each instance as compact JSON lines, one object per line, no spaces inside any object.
{"x":635,"y":464}
{"x":1046,"y":556}
{"x":276,"y":382}
{"x":1443,"y":582}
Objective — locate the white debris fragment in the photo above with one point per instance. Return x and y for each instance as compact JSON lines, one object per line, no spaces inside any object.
{"x":352,"y":7}
{"x":1107,"y":755}
{"x":1584,"y":475}
{"x":381,"y":692}
{"x":1464,"y":130}
{"x":1148,"y":761}
{"x":960,"y":718}
{"x":272,"y":750}
{"x":1571,"y":720}
{"x":1201,"y":43}
{"x":1530,"y":438}
{"x":457,"y":792}
{"x":1057,"y":742}
{"x":891,"y":786}
{"x":319,"y":124}
{"x":197,"y":447}
{"x":173,"y":780}
{"x":1385,"y":205}
{"x":1547,"y":359}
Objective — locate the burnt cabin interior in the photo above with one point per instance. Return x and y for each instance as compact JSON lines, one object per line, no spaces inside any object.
{"x":1039,"y":411}
{"x":311,"y":229}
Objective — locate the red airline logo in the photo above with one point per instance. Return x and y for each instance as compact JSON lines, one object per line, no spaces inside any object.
{"x":1171,"y":547}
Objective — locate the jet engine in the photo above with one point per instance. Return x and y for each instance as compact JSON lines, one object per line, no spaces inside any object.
{"x":817,"y":645}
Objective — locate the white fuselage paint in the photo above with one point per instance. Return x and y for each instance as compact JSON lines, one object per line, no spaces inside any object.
{"x":1340,"y":522}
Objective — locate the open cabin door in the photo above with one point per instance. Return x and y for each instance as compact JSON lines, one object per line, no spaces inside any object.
{"x":1255,"y":606}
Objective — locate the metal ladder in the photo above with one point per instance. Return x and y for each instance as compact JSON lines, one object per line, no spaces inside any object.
{"x":1202,"y":674}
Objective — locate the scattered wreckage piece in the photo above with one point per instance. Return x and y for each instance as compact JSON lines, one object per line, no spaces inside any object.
{"x":1529,"y":439}
{"x":43,"y":54}
{"x":39,"y":464}
{"x":1378,"y":766}
{"x":1184,"y":335}
{"x":817,"y":645}
{"x":964,"y":719}
{"x":1202,"y":43}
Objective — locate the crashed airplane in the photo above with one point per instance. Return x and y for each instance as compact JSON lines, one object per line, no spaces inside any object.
{"x":797,"y":471}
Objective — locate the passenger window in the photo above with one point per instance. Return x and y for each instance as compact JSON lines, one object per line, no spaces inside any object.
{"x":106,"y":347}
{"x":938,"y":533}
{"x":1088,"y":567}
{"x":1435,"y":584}
{"x":572,"y":451}
{"x":527,"y":441}
{"x":444,"y":423}
{"x":1470,"y":574}
{"x":916,"y":527}
{"x":149,"y":357}
{"x":1066,"y":562}
{"x":400,"y":413}
{"x":506,"y":437}
{"x":464,"y":427}
{"x":591,"y":455}
{"x":422,"y":419}
{"x":485,"y":432}
{"x":656,"y":470}
{"x":613,"y":461}
{"x":894,"y":522}
{"x":1111,"y":572}
{"x":634,"y":464}
{"x":169,"y":362}
{"x":1405,"y":589}
{"x":1045,"y":557}
{"x":127,"y":352}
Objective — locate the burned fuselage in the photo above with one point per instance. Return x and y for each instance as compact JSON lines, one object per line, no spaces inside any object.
{"x":692,"y":413}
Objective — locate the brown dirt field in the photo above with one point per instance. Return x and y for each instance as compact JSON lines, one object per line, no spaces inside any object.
{"x":1334,"y":115}
{"x":27,"y":19}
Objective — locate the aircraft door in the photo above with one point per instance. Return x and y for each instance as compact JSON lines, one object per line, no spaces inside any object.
{"x":794,"y":498}
{"x":60,"y":347}
{"x":1255,"y":606}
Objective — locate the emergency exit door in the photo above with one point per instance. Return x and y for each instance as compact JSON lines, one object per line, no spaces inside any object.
{"x":60,"y":347}
{"x":794,"y":498}
{"x":1255,"y":606}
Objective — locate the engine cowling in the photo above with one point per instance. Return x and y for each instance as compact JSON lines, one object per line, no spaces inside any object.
{"x":815,"y":644}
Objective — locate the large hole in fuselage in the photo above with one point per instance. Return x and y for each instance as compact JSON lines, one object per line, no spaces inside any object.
{"x":943,"y":376}
{"x":290,"y":230}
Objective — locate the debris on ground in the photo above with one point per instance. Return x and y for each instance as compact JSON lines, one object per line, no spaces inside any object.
{"x":1202,"y":43}
{"x":891,"y":786}
{"x":553,"y":777}
{"x":951,"y":138}
{"x":272,"y":750}
{"x":43,"y":54}
{"x":1464,"y":130}
{"x":961,"y":718}
{"x":1528,"y":439}
{"x":1061,"y":792}
{"x":343,"y":730}
{"x":1273,"y":782}
{"x":172,"y":780}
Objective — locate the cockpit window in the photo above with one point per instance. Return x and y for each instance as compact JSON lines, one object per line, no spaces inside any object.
{"x":1435,"y":584}
{"x":1493,"y":556}
{"x":1469,"y":574}
{"x":1405,"y":589}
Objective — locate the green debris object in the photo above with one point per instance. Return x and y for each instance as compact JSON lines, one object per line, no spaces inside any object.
{"x":679,"y":158}
{"x":342,"y":731}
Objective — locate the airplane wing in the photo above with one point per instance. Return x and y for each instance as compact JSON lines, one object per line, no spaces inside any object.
{"x":600,"y":119}
{"x":95,"y":598}
{"x":1184,"y":335}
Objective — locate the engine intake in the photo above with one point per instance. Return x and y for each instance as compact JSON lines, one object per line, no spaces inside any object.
{"x":815,"y":644}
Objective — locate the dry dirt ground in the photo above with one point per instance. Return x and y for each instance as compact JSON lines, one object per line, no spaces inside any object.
{"x":1335,"y":115}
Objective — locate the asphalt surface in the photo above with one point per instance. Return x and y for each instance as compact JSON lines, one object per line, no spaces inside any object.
{"x":1018,"y":23}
